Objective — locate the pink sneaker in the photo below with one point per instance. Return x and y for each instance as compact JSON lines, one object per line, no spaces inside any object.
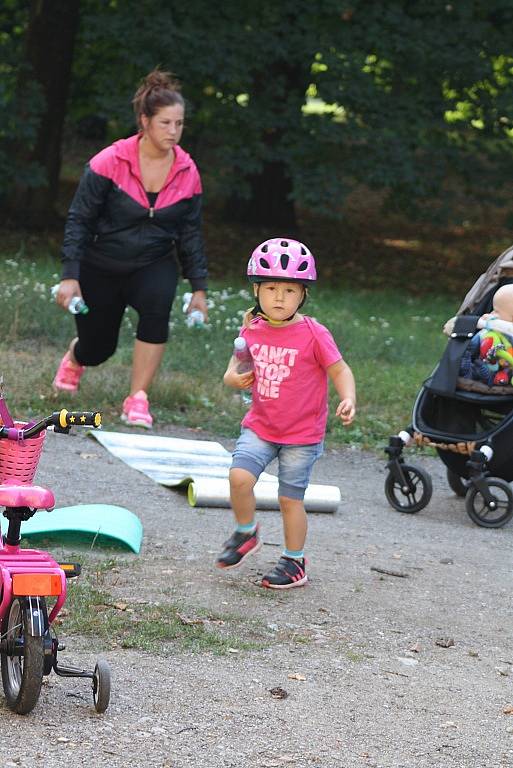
{"x":68,"y":375}
{"x":136,"y":410}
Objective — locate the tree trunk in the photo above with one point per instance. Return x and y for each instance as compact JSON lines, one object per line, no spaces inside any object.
{"x":270,"y":203}
{"x":49,"y":47}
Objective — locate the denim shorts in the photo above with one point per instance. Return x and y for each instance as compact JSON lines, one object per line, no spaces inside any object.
{"x":295,"y":462}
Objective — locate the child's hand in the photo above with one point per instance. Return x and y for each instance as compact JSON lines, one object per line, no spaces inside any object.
{"x":239,"y":380}
{"x":346,"y":411}
{"x":245,"y":380}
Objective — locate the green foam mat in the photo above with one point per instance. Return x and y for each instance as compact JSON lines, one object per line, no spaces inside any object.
{"x":107,"y":524}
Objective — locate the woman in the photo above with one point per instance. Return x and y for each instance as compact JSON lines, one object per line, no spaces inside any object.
{"x":137,"y":205}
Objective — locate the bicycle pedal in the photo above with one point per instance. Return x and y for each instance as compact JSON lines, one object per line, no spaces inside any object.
{"x":71,"y":569}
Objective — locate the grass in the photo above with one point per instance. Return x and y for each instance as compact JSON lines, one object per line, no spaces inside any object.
{"x":164,"y":628}
{"x":391,"y":341}
{"x":354,"y":656}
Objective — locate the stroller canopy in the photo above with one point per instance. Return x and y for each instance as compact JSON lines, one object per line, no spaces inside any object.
{"x":498,"y":271}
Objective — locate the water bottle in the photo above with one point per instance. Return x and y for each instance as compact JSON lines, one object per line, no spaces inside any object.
{"x":242,"y":355}
{"x":77,"y":305}
{"x":244,"y":364}
{"x":194,"y":319}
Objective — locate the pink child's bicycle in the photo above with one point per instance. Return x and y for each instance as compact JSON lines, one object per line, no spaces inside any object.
{"x":28,"y":644}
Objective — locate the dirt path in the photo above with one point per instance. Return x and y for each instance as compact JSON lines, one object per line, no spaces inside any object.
{"x":356,"y":650}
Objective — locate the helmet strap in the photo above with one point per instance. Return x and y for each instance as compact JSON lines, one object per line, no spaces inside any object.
{"x":257,"y":310}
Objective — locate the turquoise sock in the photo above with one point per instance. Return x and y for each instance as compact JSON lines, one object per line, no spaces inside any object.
{"x":248,"y":528}
{"x":294,"y":554}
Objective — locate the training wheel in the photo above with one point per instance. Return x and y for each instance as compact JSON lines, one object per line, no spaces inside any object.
{"x":101,"y":685}
{"x":496,"y":513}
{"x":414,"y":495}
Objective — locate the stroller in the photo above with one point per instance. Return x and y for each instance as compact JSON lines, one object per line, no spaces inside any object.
{"x":469,"y":424}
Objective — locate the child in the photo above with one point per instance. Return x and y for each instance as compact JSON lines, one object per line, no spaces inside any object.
{"x":489,"y":356}
{"x":293,"y":355}
{"x":500,"y":319}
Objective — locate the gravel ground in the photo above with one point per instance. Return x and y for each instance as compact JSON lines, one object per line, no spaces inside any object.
{"x":357,"y":651}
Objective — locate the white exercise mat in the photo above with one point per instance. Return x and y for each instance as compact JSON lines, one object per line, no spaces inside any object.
{"x":202,"y":467}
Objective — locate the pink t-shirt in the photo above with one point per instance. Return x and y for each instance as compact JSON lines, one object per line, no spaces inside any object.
{"x":290,"y":392}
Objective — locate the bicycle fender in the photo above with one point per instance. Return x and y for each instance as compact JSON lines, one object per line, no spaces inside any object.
{"x":36,"y":614}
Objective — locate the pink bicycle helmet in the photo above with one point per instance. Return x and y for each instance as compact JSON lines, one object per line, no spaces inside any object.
{"x":281,"y":258}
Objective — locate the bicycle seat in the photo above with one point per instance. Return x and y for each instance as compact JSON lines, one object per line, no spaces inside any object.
{"x":34,"y":496}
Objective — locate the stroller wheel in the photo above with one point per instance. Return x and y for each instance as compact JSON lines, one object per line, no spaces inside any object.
{"x":456,"y":484}
{"x":414,"y":495}
{"x":488,"y":515}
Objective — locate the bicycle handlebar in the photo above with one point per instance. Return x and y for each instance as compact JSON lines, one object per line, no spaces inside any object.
{"x":62,"y":420}
{"x":77,"y":418}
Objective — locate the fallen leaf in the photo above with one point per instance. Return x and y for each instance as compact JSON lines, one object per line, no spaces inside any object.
{"x":296,"y":676}
{"x":416,"y":648}
{"x":88,"y":455}
{"x":444,"y":642}
{"x":186,"y":621}
{"x":278,"y":693}
{"x":508,"y":710}
{"x":120,"y":606}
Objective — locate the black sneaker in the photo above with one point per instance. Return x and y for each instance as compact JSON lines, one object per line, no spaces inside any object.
{"x":287,"y":573}
{"x":237,"y":549}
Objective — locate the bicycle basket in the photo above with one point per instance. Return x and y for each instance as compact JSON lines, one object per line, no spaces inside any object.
{"x":18,"y":461}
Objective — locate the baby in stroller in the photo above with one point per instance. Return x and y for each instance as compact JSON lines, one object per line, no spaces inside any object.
{"x":489,"y":356}
{"x":500,"y":319}
{"x":469,"y":423}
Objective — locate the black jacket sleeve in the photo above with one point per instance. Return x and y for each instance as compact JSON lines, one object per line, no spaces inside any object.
{"x":191,"y":251}
{"x":81,"y":220}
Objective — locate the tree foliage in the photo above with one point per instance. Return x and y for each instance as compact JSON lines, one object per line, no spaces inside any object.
{"x":293,"y":104}
{"x":20,"y":111}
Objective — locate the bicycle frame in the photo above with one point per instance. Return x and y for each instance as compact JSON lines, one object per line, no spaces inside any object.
{"x":28,"y":576}
{"x":30,"y":573}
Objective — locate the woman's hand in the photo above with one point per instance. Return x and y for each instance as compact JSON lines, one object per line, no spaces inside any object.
{"x":199,"y":301}
{"x":67,"y":289}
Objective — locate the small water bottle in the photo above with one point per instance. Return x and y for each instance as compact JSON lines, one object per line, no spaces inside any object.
{"x":242,"y":355}
{"x":77,"y":305}
{"x":244,"y":364}
{"x":194,"y":319}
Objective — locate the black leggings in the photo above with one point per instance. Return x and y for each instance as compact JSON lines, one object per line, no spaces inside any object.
{"x":149,"y":290}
